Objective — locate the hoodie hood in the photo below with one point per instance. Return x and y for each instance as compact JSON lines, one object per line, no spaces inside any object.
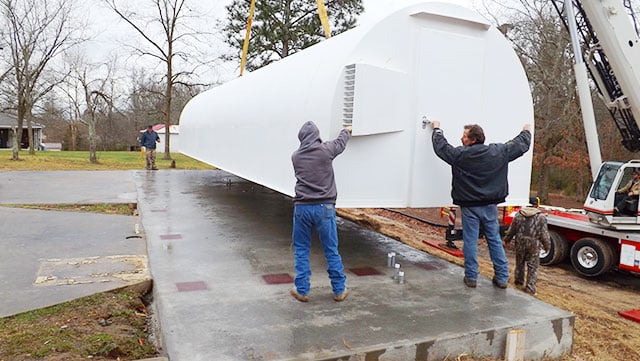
{"x":529,"y":211}
{"x":309,"y":134}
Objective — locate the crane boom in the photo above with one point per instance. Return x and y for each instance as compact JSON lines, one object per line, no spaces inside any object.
{"x":611,"y":49}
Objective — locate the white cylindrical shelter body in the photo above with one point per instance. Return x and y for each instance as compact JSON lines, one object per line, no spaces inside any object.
{"x":427,"y":61}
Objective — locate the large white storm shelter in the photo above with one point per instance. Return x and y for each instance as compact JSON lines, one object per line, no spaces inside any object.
{"x":426,"y":61}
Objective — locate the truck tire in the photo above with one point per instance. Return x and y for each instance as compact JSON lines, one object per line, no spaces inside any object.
{"x":558,"y":251}
{"x":592,"y":257}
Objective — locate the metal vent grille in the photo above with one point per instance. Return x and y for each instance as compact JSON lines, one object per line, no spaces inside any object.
{"x":349,"y":90}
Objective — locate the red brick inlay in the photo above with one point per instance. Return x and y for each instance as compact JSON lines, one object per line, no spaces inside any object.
{"x":365,"y":271}
{"x":430,"y":266}
{"x":170,"y":236}
{"x":191,"y":286}
{"x":277,"y":278}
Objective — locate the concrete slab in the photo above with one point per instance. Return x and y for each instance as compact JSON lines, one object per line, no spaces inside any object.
{"x":77,"y":187}
{"x":212,"y":238}
{"x":49,"y":257}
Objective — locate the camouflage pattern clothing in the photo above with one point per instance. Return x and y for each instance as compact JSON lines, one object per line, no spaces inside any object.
{"x":529,"y":228}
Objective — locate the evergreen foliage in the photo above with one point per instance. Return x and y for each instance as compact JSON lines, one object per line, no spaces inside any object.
{"x":284,"y":27}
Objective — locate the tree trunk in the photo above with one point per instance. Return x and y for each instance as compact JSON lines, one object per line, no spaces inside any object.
{"x":32,"y":149}
{"x":92,"y":139}
{"x":18,"y":131}
{"x":169,"y":95}
{"x":74,"y":135}
{"x":17,"y":135}
{"x":543,"y":183}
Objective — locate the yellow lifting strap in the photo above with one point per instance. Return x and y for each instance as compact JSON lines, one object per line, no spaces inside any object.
{"x":245,"y":46}
{"x":324,"y":18}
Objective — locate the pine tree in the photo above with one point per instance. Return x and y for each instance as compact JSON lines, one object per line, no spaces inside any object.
{"x":283,"y":27}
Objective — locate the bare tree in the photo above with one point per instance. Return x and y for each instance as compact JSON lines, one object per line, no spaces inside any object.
{"x":36,"y":32}
{"x":167,"y":35}
{"x":87,"y":90}
{"x":543,"y":45}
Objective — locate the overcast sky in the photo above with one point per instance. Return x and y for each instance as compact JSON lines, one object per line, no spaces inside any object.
{"x":113,"y":32}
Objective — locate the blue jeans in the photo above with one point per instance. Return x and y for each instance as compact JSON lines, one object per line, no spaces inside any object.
{"x":487,"y":217}
{"x":322,"y":218}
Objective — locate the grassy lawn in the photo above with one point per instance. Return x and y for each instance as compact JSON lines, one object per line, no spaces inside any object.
{"x":104,"y":326}
{"x":79,"y":160}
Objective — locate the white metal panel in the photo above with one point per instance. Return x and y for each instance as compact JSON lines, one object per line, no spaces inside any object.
{"x":380,"y":97}
{"x":619,"y":40}
{"x":437,"y":60}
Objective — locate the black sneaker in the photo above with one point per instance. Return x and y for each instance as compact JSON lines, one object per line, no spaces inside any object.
{"x":469,"y":283}
{"x":498,"y":284}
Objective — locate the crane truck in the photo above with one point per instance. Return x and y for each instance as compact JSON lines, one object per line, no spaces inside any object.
{"x":598,"y":239}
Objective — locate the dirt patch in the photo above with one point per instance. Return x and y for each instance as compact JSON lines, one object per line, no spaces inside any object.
{"x":600,"y":334}
{"x":104,"y":326}
{"x":127,"y":209}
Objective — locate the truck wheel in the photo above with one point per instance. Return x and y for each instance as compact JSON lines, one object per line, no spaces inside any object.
{"x":591,"y":257}
{"x":558,"y":251}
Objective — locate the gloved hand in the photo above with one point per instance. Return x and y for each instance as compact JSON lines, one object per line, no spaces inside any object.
{"x":348,"y":128}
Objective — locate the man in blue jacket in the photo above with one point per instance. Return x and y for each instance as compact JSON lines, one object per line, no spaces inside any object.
{"x":148,"y":140}
{"x":479,"y":184}
{"x":314,"y":208}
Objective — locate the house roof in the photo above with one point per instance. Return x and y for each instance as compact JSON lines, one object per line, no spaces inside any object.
{"x":9,"y":121}
{"x":159,"y":128}
{"x":173,"y":129}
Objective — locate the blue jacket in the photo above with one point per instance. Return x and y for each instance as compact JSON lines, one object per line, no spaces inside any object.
{"x":480,"y":171}
{"x":149,"y":139}
{"x":312,"y":163}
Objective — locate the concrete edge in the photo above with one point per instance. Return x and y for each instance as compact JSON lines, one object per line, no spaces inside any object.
{"x":550,"y":338}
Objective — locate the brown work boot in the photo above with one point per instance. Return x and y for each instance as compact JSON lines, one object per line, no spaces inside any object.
{"x":299,"y":297}
{"x":498,"y":284}
{"x":469,"y":283}
{"x":341,"y":297}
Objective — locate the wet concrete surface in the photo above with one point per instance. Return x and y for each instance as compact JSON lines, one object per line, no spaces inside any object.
{"x":213,"y":240}
{"x":49,"y":257}
{"x":219,"y":250}
{"x":78,"y":187}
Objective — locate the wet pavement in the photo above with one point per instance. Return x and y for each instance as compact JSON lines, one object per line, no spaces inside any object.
{"x":221,"y":258}
{"x":49,"y":257}
{"x":219,"y":250}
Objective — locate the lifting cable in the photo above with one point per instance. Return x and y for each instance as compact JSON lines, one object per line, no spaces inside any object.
{"x":245,"y":46}
{"x":324,"y":19}
{"x":417,"y":218}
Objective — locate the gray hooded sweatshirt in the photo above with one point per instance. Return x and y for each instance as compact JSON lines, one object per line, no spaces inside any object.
{"x":312,"y":163}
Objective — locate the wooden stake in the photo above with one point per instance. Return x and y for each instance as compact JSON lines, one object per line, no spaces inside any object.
{"x":515,"y":345}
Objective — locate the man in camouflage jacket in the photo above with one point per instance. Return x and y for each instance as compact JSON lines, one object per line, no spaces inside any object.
{"x":529,"y":228}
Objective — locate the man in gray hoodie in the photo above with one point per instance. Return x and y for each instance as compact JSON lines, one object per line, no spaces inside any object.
{"x":314,"y":207}
{"x":529,"y":229}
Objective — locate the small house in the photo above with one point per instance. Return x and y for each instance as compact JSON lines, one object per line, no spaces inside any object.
{"x":9,"y":123}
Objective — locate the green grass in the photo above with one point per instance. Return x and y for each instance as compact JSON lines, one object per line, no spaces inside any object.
{"x":73,"y":330}
{"x":76,"y":160}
